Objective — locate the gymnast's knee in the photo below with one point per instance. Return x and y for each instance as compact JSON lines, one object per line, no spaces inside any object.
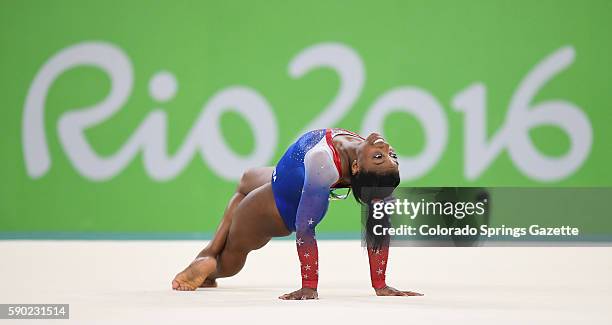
{"x":243,"y":184}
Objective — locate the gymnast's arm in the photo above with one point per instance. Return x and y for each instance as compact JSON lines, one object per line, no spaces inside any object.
{"x":320,"y":174}
{"x":378,"y":255}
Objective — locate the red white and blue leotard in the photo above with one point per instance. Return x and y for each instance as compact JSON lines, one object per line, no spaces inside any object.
{"x":301,"y":182}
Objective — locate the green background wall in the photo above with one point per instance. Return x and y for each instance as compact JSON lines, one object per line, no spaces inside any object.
{"x":441,"y":47}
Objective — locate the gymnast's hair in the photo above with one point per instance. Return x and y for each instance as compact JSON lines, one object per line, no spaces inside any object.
{"x":369,"y":187}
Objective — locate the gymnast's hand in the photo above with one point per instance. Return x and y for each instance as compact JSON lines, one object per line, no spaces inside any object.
{"x":390,"y":291}
{"x":302,"y":294}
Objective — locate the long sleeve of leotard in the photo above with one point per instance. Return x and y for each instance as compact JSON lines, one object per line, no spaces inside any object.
{"x":320,"y":174}
{"x":378,"y":265}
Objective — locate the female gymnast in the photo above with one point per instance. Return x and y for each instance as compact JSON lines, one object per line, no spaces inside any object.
{"x":294,"y":196}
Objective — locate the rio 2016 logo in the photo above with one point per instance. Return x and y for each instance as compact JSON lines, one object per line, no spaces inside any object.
{"x":205,"y":136}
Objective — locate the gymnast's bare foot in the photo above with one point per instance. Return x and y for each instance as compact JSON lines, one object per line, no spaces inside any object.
{"x":195,"y":274}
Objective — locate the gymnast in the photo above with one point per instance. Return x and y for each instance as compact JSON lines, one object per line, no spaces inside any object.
{"x":294,"y":196}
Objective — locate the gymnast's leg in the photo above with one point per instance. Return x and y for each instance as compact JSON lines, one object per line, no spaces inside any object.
{"x":256,"y":220}
{"x":188,"y":279}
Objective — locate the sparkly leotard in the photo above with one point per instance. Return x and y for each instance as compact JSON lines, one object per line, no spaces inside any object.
{"x":301,"y":182}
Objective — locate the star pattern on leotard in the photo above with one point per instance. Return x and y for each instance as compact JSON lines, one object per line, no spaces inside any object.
{"x":378,"y":263}
{"x":308,"y":260}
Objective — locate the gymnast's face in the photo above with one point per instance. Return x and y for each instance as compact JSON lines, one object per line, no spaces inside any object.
{"x":375,"y":154}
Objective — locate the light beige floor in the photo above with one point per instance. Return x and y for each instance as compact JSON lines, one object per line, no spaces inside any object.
{"x":128,"y":282}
